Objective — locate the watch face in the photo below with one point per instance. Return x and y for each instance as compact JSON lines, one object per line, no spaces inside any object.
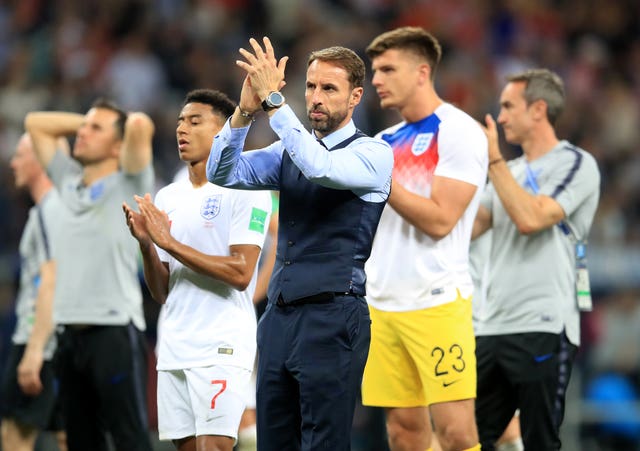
{"x":275,"y":99}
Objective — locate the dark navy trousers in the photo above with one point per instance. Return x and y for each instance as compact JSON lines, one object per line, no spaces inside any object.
{"x":310,"y":363}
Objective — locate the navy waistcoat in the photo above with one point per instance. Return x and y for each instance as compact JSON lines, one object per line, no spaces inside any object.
{"x":324,"y":236}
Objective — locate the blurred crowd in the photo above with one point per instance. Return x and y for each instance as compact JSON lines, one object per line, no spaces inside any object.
{"x":146,"y":54}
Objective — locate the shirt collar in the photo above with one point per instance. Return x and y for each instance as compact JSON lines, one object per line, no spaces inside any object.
{"x":339,"y":135}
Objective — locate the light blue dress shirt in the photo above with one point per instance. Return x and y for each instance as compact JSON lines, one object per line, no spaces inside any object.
{"x":364,"y":166}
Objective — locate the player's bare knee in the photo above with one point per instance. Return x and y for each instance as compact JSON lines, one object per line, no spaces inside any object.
{"x":407,"y":435}
{"x":456,"y":437}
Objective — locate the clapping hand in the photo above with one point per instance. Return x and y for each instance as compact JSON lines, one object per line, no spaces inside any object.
{"x":156,"y":221}
{"x":136,"y":224}
{"x":264,"y":74}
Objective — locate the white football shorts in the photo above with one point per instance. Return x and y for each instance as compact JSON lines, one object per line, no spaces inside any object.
{"x":201,"y":401}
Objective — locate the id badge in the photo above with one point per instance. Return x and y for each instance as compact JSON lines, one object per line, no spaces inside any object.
{"x":583,"y":287}
{"x":583,"y":290}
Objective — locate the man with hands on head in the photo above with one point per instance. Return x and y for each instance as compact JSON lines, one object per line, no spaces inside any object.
{"x":101,"y":354}
{"x":200,"y":261}
{"x":313,"y":338}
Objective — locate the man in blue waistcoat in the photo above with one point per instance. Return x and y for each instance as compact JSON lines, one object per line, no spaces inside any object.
{"x":313,"y":339}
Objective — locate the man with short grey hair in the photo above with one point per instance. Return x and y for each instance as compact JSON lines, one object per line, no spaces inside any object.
{"x":540,"y":207}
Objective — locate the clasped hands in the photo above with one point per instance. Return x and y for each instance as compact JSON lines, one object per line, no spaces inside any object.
{"x":264,"y":74}
{"x":150,"y":225}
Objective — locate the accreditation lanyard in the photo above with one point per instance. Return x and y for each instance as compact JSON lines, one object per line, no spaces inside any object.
{"x":583,"y":287}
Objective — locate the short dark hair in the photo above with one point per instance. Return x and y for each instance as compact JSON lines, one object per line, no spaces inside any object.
{"x":413,"y":39}
{"x":219,"y":102}
{"x":107,"y":104}
{"x":542,"y":84}
{"x":345,"y":58}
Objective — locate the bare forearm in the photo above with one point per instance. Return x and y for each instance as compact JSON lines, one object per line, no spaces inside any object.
{"x":422,"y":213}
{"x":530,"y":213}
{"x":527,"y":211}
{"x":482,"y":222}
{"x":156,"y":274}
{"x":238,"y":120}
{"x":235,"y":270}
{"x":43,"y":322}
{"x":438,"y":214}
{"x":42,"y":326}
{"x":45,"y":127}
{"x":264,"y":276}
{"x":137,"y":149}
{"x":54,"y":123}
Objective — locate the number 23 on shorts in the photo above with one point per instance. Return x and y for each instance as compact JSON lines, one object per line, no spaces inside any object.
{"x":448,"y":362}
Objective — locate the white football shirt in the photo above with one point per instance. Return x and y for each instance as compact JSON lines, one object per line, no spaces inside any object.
{"x":408,"y":270}
{"x":205,"y":321}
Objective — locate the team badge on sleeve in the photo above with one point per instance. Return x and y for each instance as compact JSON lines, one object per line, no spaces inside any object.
{"x":421,"y":143}
{"x":258,"y":219}
{"x":210,"y":206}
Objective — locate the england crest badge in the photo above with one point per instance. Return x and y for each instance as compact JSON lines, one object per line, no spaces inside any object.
{"x":421,"y":143}
{"x":210,"y":206}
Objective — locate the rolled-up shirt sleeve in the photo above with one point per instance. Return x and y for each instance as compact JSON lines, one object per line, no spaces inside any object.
{"x":364,"y":165}
{"x":229,"y":166}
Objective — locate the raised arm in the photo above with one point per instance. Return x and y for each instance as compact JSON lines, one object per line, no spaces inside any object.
{"x":137,"y":149}
{"x":529,"y":212}
{"x":365,"y":164}
{"x":31,"y":362}
{"x":229,"y":166}
{"x":45,"y":127}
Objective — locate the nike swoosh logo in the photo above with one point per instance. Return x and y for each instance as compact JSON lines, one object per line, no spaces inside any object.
{"x":213,"y":418}
{"x":446,"y":384}
{"x":542,"y":358}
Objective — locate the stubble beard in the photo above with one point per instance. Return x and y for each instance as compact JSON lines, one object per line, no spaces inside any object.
{"x":327,"y":125}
